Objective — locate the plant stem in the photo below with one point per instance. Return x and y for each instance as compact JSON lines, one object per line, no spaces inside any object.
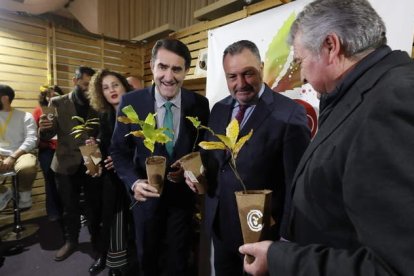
{"x":236,"y":173}
{"x":196,"y":139}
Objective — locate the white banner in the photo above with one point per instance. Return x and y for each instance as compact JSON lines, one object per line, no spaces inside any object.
{"x":269,"y":30}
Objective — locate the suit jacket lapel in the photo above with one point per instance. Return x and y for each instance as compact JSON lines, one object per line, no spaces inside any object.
{"x":221,"y":125}
{"x":69,"y":105}
{"x":187,"y":103}
{"x":340,"y":112}
{"x":147,"y":104}
{"x":260,"y":113}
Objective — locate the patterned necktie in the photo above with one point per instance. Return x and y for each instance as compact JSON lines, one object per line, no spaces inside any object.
{"x":168,"y":123}
{"x":240,"y":114}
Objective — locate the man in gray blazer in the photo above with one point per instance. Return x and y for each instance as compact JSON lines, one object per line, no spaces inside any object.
{"x":68,"y":163}
{"x":353,"y":190}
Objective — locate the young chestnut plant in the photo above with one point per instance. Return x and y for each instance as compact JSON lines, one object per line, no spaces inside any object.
{"x":84,"y":128}
{"x":228,"y":142}
{"x":149,"y":132}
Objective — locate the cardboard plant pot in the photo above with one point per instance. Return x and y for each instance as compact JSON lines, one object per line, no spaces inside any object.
{"x":49,"y":111}
{"x":193,"y":168}
{"x":155,"y":166}
{"x":254,"y":208}
{"x":92,"y":156}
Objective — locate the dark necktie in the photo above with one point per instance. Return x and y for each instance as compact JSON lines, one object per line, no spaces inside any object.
{"x":240,"y":114}
{"x":168,"y":123}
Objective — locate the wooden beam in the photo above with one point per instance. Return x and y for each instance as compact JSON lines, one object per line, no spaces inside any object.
{"x":220,"y":9}
{"x":157,"y":33}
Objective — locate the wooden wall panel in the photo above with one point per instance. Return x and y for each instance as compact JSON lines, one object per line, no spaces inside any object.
{"x":125,"y":19}
{"x":73,"y":50}
{"x":23,"y":58}
{"x":33,"y":53}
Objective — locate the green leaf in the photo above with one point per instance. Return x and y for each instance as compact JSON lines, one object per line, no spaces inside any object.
{"x":149,"y":145}
{"x":131,"y":114}
{"x":194,"y":120}
{"x":91,"y":123}
{"x":78,"y":127}
{"x":92,"y":120}
{"x":80,"y":119}
{"x":77,"y":131}
{"x":83,"y":127}
{"x":150,"y":119}
{"x":148,"y":130}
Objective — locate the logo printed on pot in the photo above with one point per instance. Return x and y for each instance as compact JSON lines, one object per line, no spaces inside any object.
{"x":253,"y":218}
{"x":50,"y":116}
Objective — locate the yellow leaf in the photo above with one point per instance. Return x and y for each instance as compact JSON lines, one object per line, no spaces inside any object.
{"x":241,"y":142}
{"x":137,"y":133}
{"x":232,"y":132}
{"x":124,"y":119}
{"x":212,"y":145}
{"x":226,"y":141}
{"x":162,"y":138}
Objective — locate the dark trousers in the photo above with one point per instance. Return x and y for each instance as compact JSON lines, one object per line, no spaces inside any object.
{"x":163,"y":237}
{"x":69,"y":188}
{"x":115,"y":221}
{"x":227,"y":261}
{"x":53,"y":204}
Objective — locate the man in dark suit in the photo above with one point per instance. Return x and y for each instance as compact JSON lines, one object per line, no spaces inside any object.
{"x":353,"y":191}
{"x":267,"y":161}
{"x":68,"y":163}
{"x":162,"y":222}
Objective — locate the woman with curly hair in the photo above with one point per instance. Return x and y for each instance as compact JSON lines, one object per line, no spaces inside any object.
{"x":105,"y":92}
{"x":45,"y":155}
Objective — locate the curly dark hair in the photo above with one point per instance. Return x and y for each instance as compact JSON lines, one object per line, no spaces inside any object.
{"x":95,"y":92}
{"x":43,"y":94}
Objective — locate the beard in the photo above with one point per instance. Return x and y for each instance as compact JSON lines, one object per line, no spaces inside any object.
{"x":81,"y":94}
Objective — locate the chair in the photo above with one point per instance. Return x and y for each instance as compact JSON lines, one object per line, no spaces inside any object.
{"x":18,"y":231}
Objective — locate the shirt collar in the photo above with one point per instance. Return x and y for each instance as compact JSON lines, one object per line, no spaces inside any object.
{"x":328,"y":101}
{"x":160,"y":100}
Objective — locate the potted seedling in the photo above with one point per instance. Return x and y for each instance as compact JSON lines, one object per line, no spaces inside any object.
{"x":254,"y":206}
{"x":191,"y":163}
{"x":91,"y":154}
{"x":155,"y":165}
{"x":49,"y":111}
